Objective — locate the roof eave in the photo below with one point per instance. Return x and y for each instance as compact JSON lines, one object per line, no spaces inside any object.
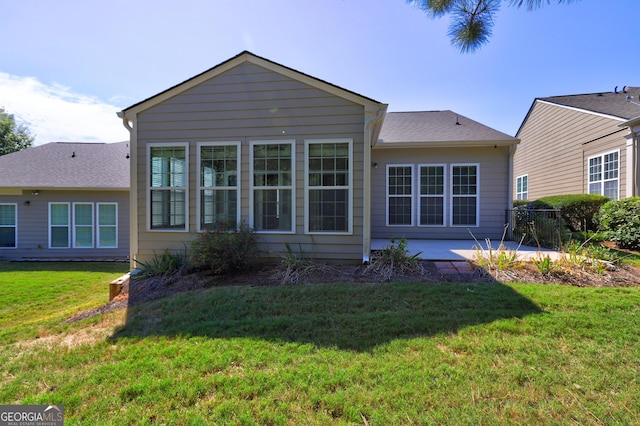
{"x":446,"y":144}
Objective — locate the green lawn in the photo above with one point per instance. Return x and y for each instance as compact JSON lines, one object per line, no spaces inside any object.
{"x":378,"y":354}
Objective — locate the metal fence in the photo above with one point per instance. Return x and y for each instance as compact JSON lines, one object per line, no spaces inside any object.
{"x":539,"y":227}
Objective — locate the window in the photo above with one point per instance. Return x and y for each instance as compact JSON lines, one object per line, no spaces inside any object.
{"x":107,"y":225}
{"x":8,"y":225}
{"x":328,"y":186}
{"x":399,"y":195}
{"x":522,"y":187}
{"x":59,"y":225}
{"x":464,"y":195}
{"x":431,"y":195}
{"x":272,"y":186}
{"x":218,"y":184}
{"x":604,"y":175}
{"x":168,"y":187}
{"x":83,"y":225}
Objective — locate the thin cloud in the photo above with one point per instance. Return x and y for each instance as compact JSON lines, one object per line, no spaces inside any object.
{"x":54,"y":113}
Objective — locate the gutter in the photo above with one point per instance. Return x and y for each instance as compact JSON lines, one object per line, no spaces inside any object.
{"x":372,"y":126}
{"x":128,"y":124}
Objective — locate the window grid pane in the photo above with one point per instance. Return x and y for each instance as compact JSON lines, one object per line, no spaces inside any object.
{"x":328,"y":180}
{"x":464,"y":201}
{"x":59,"y":220}
{"x":328,"y":209}
{"x":8,"y":226}
{"x":272,"y":182}
{"x":107,"y":225}
{"x":604,"y":175}
{"x":83,"y":225}
{"x":272,"y":209}
{"x":218,"y":186}
{"x":168,"y":182}
{"x":400,"y":193}
{"x":431,"y":195}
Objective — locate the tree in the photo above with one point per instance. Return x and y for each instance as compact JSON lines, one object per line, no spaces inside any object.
{"x":13,"y":137}
{"x":472,"y":20}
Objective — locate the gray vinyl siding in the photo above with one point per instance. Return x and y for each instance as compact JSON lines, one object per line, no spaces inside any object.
{"x":250,"y":103}
{"x":33,"y":222}
{"x":493,"y":169}
{"x":555,"y":142}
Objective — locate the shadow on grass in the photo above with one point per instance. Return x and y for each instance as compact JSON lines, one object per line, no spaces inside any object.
{"x":60,"y":266}
{"x":350,"y":316}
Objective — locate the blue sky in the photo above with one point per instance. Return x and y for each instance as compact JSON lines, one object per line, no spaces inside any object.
{"x":67,"y":67}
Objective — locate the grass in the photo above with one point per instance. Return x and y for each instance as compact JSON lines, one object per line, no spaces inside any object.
{"x":392,"y":353}
{"x":37,"y":296}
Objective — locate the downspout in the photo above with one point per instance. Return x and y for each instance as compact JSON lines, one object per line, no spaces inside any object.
{"x":512,"y":153}
{"x":133,"y":188}
{"x":372,"y":119}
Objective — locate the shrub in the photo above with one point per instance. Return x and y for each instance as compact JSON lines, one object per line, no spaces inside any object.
{"x":165,"y":265}
{"x":223,"y":250}
{"x":577,"y":210}
{"x":620,"y":221}
{"x":395,"y":259}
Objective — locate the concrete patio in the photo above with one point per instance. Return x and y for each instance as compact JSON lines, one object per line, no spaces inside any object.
{"x":464,"y":249}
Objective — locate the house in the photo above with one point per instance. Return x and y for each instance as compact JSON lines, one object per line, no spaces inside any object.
{"x":66,"y":201}
{"x":306,"y":163}
{"x":579,"y":144}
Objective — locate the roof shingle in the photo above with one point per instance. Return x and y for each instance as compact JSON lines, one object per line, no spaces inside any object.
{"x":609,"y":103}
{"x":67,"y":165}
{"x":436,"y":127}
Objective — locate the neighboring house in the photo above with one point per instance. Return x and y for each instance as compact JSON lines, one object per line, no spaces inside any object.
{"x":65,"y":201}
{"x":305,"y":162}
{"x":579,"y":144}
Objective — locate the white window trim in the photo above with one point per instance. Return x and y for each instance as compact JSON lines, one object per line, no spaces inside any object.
{"x":477,"y":194}
{"x":308,"y":142}
{"x":185,"y":188}
{"x":520,"y":193}
{"x":74,"y":232}
{"x":15,"y":212}
{"x":389,"y":196}
{"x":602,"y":181}
{"x":252,"y":187}
{"x":69,"y":225}
{"x":237,"y":144}
{"x":98,"y":245}
{"x":444,"y":195}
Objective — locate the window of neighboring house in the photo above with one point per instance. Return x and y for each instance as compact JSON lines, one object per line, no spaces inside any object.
{"x":431,"y":195}
{"x":272,"y":186}
{"x":82,"y":225}
{"x":8,"y":225}
{"x":107,"y":219}
{"x":59,"y":225}
{"x":329,"y":184}
{"x":464,"y":194}
{"x":218,"y":184}
{"x":399,"y":194}
{"x":522,"y":187}
{"x":604,"y":175}
{"x":168,"y":175}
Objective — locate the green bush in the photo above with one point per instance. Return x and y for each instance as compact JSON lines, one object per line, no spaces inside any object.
{"x":577,"y":210}
{"x":223,"y":250}
{"x":620,"y":221}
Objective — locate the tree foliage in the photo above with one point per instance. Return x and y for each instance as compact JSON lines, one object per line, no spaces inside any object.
{"x":472,"y":20}
{"x":13,"y":136}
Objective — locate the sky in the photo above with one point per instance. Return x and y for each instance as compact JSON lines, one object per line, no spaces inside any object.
{"x":68,"y":66}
